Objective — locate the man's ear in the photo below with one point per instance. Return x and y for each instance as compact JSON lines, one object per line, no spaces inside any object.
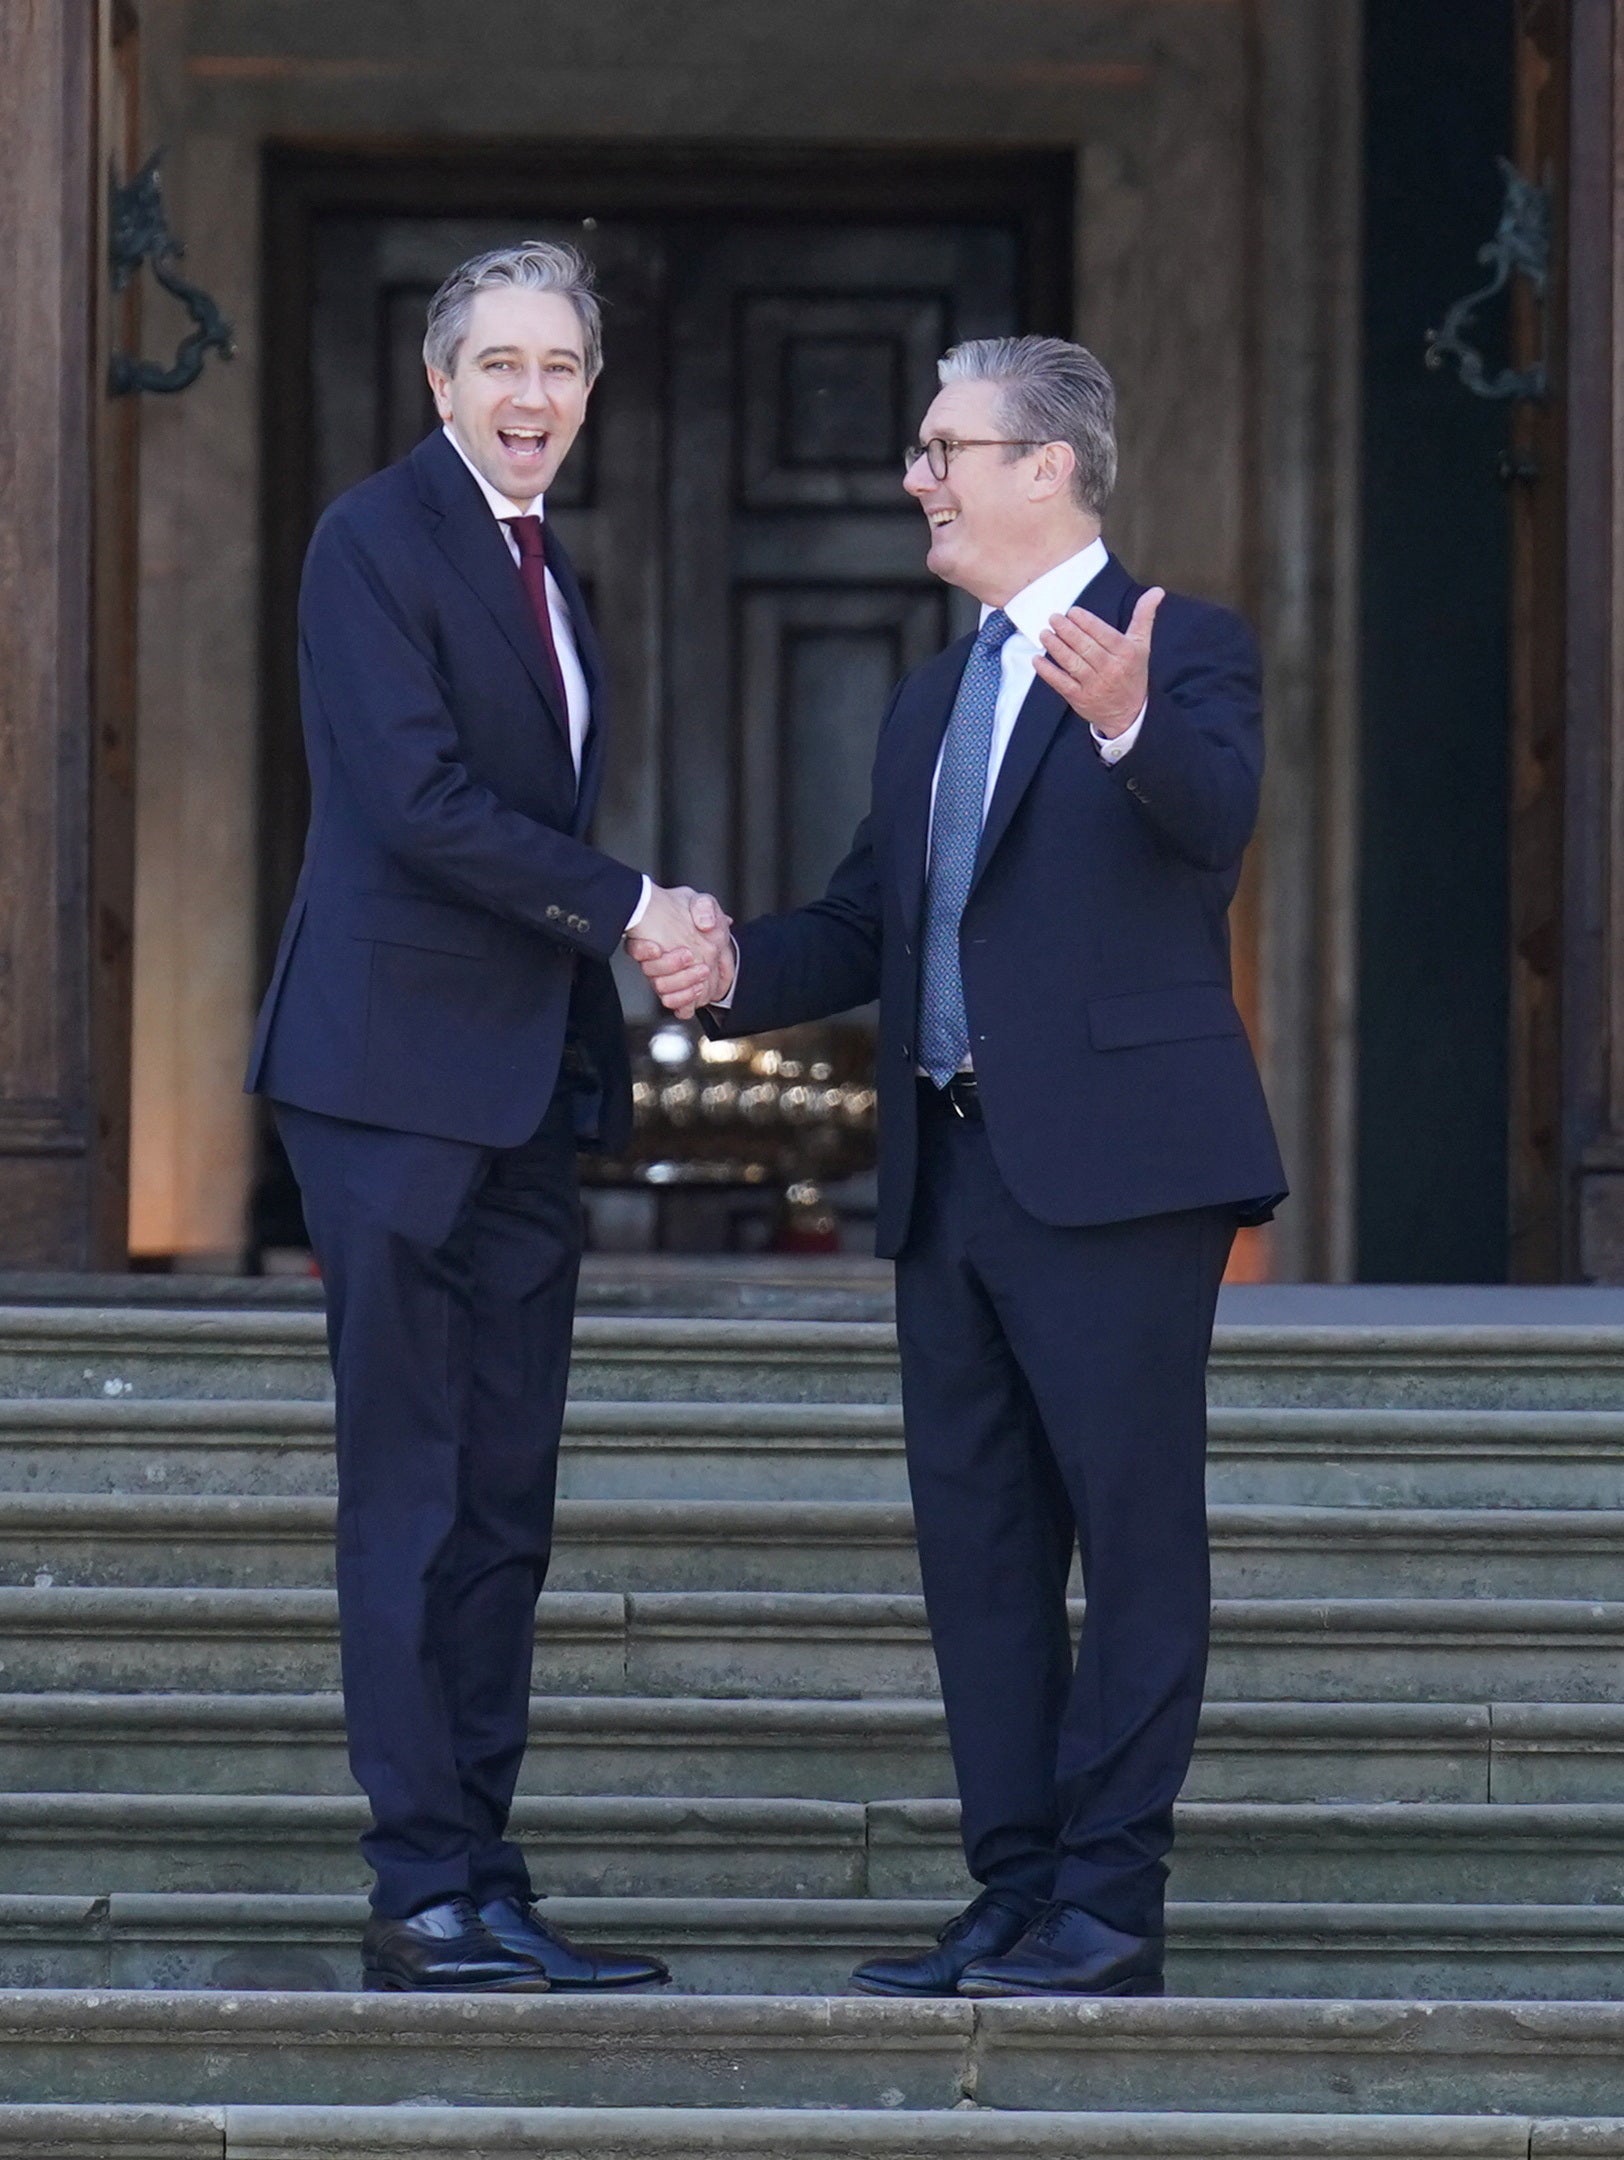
{"x":440,"y":385}
{"x":1057,"y":461}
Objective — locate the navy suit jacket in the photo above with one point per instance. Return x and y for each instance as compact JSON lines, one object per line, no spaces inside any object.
{"x":1115,"y":1075}
{"x":451,"y":924}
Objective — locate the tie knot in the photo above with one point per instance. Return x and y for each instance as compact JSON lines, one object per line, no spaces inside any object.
{"x":527,"y":532}
{"x":994,"y":632}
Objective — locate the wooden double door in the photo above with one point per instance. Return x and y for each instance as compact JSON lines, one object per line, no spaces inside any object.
{"x":734,"y":504}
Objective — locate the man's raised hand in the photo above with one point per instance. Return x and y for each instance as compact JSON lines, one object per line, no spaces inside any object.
{"x":683,"y":946}
{"x":1102,"y":673}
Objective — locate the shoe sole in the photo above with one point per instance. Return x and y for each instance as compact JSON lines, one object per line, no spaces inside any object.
{"x":373,"y":1983}
{"x":908,"y":1994}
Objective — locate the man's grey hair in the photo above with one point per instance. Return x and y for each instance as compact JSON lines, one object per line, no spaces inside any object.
{"x":1050,"y":391}
{"x":532,"y":266}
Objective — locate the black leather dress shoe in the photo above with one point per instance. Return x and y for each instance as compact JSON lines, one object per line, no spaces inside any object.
{"x":994,"y":1922}
{"x":518,"y":1928}
{"x":1066,"y":1951}
{"x":445,"y":1948}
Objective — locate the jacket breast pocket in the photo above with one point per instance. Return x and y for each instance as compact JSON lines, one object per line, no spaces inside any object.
{"x":429,"y":925}
{"x":1181,"y":1014}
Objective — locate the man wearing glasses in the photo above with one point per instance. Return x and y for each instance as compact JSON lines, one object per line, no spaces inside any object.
{"x":1071,"y":1127}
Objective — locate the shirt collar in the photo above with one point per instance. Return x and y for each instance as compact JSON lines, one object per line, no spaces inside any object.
{"x":497,"y":503}
{"x":1054,"y":592}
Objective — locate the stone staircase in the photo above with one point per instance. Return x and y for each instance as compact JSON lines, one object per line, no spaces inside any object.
{"x":1399,"y":1926}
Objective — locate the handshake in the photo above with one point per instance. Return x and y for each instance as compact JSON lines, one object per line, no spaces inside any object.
{"x":682,"y":943}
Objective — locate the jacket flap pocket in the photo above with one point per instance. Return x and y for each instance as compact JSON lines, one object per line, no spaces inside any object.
{"x":403,"y":919}
{"x":1157,"y":1016}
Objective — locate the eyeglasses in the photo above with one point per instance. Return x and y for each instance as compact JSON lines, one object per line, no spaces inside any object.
{"x":941,"y":450}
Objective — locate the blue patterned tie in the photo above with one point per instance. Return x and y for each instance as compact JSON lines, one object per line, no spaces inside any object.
{"x":955,"y":835}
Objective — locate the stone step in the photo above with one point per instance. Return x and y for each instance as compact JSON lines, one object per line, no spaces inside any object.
{"x":752,"y":1643}
{"x":222,"y":1541}
{"x":423,"y":2130}
{"x":114,"y":1352}
{"x":1480,"y":2059}
{"x":804,"y":1748}
{"x":595,"y":1846}
{"x":803,"y":1286}
{"x":777,"y":1946}
{"x":1434,"y":1458}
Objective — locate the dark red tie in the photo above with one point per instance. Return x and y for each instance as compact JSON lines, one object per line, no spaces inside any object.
{"x":533,"y":570}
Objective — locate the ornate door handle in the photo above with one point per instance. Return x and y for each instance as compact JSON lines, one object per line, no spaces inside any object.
{"x":1521,"y":247}
{"x":138,"y":232}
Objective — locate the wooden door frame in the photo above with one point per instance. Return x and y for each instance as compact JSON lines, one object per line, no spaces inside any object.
{"x":1591,"y":1198}
{"x":67,"y":619}
{"x":1033,"y":191}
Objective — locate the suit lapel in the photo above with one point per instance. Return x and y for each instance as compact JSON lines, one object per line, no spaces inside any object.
{"x":1040,"y":717}
{"x":466,"y":535}
{"x":929,"y":707}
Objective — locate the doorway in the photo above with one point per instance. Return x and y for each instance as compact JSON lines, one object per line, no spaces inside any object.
{"x":734,"y":505}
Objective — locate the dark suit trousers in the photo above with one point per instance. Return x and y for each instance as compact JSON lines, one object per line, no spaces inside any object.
{"x":450,"y":1273}
{"x":1053,"y":1386}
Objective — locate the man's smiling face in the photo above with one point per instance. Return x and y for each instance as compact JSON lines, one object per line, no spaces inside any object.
{"x":981,"y":516}
{"x":518,"y":389}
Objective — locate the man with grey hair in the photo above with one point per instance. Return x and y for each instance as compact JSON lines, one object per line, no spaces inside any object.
{"x":1071,"y":1128}
{"x":441,"y":1033}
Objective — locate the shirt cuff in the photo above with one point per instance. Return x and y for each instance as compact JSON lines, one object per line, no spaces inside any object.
{"x":722,"y":1004}
{"x":641,"y":909}
{"x":1112,"y":747}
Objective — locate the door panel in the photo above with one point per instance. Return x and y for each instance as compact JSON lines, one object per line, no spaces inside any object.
{"x":816,"y":666}
{"x":801,"y":364}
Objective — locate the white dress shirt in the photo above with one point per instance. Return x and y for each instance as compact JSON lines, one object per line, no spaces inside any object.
{"x":1030,"y":609}
{"x":577,"y":697}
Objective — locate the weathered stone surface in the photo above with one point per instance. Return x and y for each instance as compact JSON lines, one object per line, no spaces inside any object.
{"x":1599,"y":2138}
{"x":1335,"y":2057}
{"x":1572,"y":1749}
{"x":1516,"y":2060}
{"x":1372,"y":1456}
{"x":744,"y":1643}
{"x":248,"y":1353}
{"x":294,"y":1743}
{"x":1351,"y":1457}
{"x":249,"y":1640}
{"x":595,"y":1845}
{"x":1315,"y":1852}
{"x":808,"y":1945}
{"x":738,"y":1759}
{"x":546,"y":2050}
{"x":111,"y":2132}
{"x":261,"y":1541}
{"x":581,"y":1847}
{"x":897,"y":2134}
{"x":786,"y":1746}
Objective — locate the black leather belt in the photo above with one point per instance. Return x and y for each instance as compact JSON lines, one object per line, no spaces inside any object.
{"x":961,"y":1096}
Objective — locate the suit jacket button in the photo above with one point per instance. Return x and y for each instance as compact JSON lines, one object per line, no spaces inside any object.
{"x":553,"y":914}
